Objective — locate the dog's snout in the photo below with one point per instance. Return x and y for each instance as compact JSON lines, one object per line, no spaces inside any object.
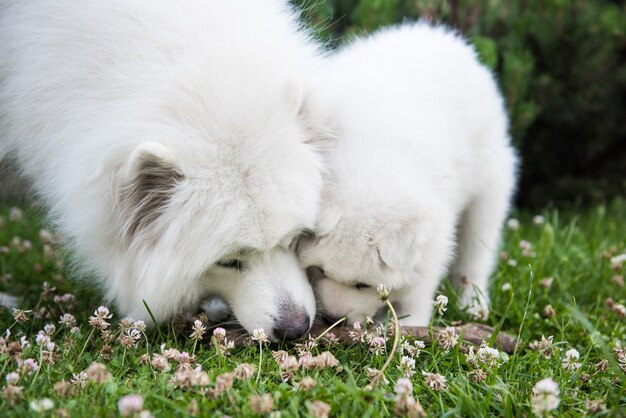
{"x":292,"y":326}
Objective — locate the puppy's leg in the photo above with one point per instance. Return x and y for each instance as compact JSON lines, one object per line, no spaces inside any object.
{"x":8,"y":301}
{"x":416,"y":303}
{"x":479,"y":235}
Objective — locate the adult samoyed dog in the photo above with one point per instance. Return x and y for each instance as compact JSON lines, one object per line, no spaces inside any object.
{"x":423,"y":166}
{"x":176,"y":144}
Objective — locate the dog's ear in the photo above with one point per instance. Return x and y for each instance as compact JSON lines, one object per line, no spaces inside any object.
{"x":148,"y":181}
{"x":399,"y":244}
{"x":322,"y":128}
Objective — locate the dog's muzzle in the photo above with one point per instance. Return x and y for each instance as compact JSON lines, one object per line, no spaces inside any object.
{"x":293,"y":322}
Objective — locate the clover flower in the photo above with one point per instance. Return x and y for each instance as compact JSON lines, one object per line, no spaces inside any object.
{"x":447,"y":338}
{"x":407,"y":366}
{"x":545,"y":396}
{"x":441,"y":303}
{"x":435,"y":381}
{"x":21,"y":315}
{"x":41,"y":405}
{"x":12,"y":378}
{"x":545,"y":347}
{"x":479,"y":312}
{"x":244,"y":371}
{"x":261,"y":404}
{"x":412,"y":350}
{"x":513,"y":224}
{"x":383,"y":293}
{"x":198,"y":330}
{"x":160,"y":363}
{"x":307,"y":383}
{"x":130,"y":404}
{"x":67,"y":320}
{"x":64,"y":388}
{"x":319,"y":409}
{"x":97,"y":372}
{"x":100,"y":315}
{"x":570,"y":362}
{"x":377,"y":345}
{"x":260,"y":336}
{"x":219,"y":333}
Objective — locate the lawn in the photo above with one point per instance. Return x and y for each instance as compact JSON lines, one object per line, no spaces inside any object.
{"x":559,"y":289}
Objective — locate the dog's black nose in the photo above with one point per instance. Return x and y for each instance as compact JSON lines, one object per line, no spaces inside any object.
{"x":292,"y":326}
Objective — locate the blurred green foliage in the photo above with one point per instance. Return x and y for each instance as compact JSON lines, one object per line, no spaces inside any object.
{"x":561,"y":65}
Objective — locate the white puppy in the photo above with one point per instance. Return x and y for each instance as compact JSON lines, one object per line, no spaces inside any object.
{"x":176,"y":145}
{"x":423,"y":163}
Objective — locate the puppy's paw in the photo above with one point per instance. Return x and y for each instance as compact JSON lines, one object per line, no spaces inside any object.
{"x":475,"y":302}
{"x":8,"y":301}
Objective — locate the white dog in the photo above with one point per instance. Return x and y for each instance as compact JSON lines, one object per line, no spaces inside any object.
{"x":423,"y":162}
{"x":176,"y":145}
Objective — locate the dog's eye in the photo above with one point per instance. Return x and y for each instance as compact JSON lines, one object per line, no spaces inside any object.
{"x":233,"y":264}
{"x":360,"y":286}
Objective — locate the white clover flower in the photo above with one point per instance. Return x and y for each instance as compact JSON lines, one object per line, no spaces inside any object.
{"x":435,"y":381}
{"x":570,"y":362}
{"x":15,"y":214}
{"x":619,"y":309}
{"x":525,"y":245}
{"x":12,"y":378}
{"x":513,"y":224}
{"x":30,"y":366}
{"x":198,"y":330}
{"x":68,"y":320}
{"x":479,"y":312}
{"x":130,"y":404}
{"x":488,"y":356}
{"x":506,"y":287}
{"x":49,"y":329}
{"x":139,"y":325}
{"x":512,"y":262}
{"x":539,"y":220}
{"x":441,"y":303}
{"x":545,"y":397}
{"x":24,"y":342}
{"x":42,"y":338}
{"x":413,"y":350}
{"x":403,"y":386}
{"x":260,"y":335}
{"x":42,"y":405}
{"x":377,"y":345}
{"x":383,"y":293}
{"x":219,"y":333}
{"x":447,"y":338}
{"x":103,"y":313}
{"x":618,"y":260}
{"x":79,"y":379}
{"x":244,"y":371}
{"x":407,"y":366}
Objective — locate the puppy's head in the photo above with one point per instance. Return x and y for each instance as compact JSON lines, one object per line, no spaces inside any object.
{"x":354,"y":251}
{"x":213,"y":207}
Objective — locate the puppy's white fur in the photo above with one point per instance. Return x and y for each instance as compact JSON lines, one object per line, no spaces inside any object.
{"x":166,"y":136}
{"x":423,"y":163}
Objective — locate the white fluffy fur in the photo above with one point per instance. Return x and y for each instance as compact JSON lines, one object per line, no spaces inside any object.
{"x":217,"y":91}
{"x":423,"y":165}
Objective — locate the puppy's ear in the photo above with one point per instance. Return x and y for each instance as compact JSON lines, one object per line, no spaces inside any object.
{"x":322,"y":128}
{"x":399,"y":245}
{"x":148,"y":181}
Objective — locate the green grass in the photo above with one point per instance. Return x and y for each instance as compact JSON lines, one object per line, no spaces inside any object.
{"x":572,"y":247}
